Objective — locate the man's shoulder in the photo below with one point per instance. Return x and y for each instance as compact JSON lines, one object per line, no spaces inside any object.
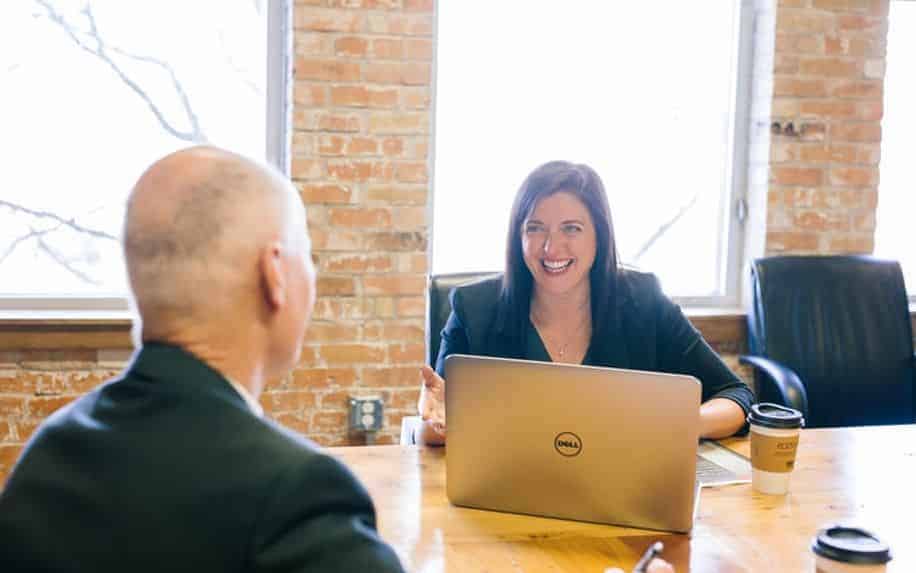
{"x":125,"y":406}
{"x":289,"y":451}
{"x":297,"y":466}
{"x":284,"y":442}
{"x":75,"y":413}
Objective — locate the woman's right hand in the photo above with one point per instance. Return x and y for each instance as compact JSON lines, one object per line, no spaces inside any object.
{"x":432,"y":400}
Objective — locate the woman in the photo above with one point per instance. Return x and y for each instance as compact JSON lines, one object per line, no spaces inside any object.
{"x":563,"y":298}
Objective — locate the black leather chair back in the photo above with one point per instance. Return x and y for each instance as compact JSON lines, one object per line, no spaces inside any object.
{"x":438,"y":306}
{"x":842,"y":324}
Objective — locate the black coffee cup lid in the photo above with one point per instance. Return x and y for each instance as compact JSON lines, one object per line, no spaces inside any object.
{"x":775,"y":416}
{"x":848,"y":544}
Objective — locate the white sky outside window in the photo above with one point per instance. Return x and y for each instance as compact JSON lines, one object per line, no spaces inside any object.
{"x":640,"y":91}
{"x":75,"y":137}
{"x":894,"y":236}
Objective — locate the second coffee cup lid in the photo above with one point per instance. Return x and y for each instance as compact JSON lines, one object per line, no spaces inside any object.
{"x":775,"y":416}
{"x":850,"y":545}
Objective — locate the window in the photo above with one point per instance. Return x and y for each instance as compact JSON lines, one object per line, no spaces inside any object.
{"x":896,"y":202}
{"x":644,"y":93}
{"x":93,"y":92}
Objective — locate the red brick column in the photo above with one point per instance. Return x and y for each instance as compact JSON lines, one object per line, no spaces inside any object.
{"x":361,"y":135}
{"x":828,"y":83}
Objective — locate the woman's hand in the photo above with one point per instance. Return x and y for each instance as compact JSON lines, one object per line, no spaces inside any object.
{"x":431,"y":407}
{"x":720,"y":418}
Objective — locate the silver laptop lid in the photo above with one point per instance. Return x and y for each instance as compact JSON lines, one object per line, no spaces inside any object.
{"x":577,"y":442}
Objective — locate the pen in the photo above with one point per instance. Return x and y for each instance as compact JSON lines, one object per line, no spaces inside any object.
{"x":651,"y":553}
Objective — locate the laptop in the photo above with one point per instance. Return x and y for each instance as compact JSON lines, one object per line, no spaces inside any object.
{"x":604,"y":445}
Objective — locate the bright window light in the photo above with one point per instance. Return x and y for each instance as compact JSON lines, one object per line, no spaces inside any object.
{"x":95,"y":91}
{"x":897,"y":190}
{"x":644,"y":92}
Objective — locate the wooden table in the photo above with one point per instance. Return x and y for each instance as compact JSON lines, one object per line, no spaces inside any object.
{"x":866,"y":475}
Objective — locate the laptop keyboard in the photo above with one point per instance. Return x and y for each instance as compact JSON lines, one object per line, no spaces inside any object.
{"x":709,"y":473}
{"x":717,"y":465}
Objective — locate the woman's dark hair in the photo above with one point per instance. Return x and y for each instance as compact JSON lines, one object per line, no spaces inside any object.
{"x":582,"y":182}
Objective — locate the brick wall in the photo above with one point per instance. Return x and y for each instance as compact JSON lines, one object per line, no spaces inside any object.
{"x":828,"y":78}
{"x":361,"y":135}
{"x":34,"y":383}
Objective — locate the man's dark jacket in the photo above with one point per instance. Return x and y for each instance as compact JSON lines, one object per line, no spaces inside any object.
{"x":167,"y":469}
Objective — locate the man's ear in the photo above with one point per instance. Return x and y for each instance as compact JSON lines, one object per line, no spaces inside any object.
{"x":272,"y":270}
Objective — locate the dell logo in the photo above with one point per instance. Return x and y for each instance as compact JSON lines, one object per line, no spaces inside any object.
{"x":567,"y":444}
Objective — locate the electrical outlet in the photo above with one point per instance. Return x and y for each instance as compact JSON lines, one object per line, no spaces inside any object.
{"x":367,"y":413}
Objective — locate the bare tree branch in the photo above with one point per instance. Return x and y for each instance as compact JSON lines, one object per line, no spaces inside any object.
{"x":663,"y":228}
{"x":101,"y":49}
{"x":19,"y":240}
{"x":68,"y":222}
{"x":241,"y":72}
{"x":59,"y":259}
{"x":198,"y":135}
{"x":88,"y":38}
{"x":42,"y":245}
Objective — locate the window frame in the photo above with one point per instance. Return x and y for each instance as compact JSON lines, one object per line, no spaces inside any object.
{"x":732,"y":250}
{"x":911,"y":288}
{"x":736,"y":176}
{"x":277,"y":133}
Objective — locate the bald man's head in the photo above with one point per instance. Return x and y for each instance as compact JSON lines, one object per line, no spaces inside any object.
{"x":197,"y":222}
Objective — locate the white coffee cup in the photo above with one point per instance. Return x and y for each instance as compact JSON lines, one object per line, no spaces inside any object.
{"x":849,"y":549}
{"x":774,"y":443}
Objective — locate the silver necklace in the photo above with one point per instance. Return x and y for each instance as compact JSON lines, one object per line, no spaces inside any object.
{"x":561,"y":350}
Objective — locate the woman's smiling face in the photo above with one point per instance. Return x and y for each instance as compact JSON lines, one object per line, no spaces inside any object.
{"x":558,"y":243}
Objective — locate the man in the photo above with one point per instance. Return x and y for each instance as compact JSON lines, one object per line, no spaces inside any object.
{"x":172,"y":467}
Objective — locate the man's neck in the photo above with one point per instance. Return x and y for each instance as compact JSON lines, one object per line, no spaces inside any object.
{"x":235,"y":362}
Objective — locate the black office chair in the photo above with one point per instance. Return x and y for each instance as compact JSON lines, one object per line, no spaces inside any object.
{"x":438,"y":306}
{"x":831,"y":336}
